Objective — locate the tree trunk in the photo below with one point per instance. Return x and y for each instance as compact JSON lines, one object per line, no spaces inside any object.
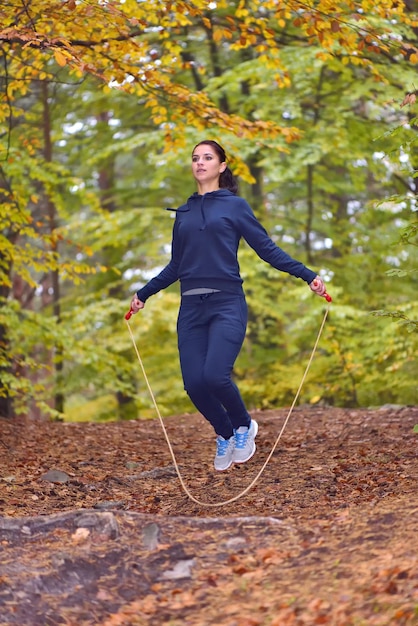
{"x":126,"y":406}
{"x":310,"y":212}
{"x":6,"y":402}
{"x":52,"y":225}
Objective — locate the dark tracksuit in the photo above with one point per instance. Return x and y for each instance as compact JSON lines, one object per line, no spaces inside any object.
{"x":211,"y":327}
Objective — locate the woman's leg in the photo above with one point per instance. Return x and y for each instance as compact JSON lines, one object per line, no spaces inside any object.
{"x":227,"y":332}
{"x":228,"y":321}
{"x":193,"y":329}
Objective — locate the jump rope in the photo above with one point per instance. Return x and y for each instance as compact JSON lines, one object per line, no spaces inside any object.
{"x":266,"y":462}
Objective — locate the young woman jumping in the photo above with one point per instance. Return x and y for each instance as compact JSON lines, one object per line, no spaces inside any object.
{"x":212,"y":318}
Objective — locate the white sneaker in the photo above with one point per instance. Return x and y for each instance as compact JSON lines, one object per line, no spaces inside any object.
{"x":224,"y":451}
{"x":244,"y":442}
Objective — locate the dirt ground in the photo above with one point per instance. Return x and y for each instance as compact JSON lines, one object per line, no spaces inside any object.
{"x":97,"y":529}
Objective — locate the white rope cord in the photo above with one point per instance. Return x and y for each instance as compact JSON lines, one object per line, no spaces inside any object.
{"x":253,"y":482}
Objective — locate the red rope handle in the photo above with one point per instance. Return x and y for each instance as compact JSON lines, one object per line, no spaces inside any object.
{"x":325,"y":295}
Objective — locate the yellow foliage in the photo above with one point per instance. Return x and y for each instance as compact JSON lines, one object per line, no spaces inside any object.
{"x":113,"y":40}
{"x":60,"y":57}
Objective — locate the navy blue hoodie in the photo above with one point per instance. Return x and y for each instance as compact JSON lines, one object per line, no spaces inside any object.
{"x":206,"y":234}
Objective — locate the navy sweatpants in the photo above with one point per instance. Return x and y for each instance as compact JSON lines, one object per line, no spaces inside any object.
{"x":211,"y":330}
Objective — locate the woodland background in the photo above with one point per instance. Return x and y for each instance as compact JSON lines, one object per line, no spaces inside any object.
{"x":101,"y":105}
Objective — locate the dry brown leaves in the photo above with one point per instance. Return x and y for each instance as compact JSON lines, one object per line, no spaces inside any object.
{"x":327,"y":536}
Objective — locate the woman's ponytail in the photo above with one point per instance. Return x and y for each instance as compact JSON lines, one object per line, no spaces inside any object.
{"x":228,"y":181}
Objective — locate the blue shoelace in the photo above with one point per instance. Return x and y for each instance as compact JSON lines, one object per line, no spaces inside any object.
{"x":241,"y":439}
{"x":222,"y":446}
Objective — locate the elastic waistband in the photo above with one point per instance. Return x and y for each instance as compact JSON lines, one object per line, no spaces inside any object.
{"x":215,"y":296}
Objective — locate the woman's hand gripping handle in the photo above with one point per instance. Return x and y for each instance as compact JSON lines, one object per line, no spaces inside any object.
{"x":136,"y":305}
{"x":318,"y":287}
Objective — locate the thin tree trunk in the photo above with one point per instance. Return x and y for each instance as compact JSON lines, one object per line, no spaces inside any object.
{"x":126,"y":406}
{"x":310,"y":174}
{"x":55,"y":282}
{"x":310,"y":212}
{"x":6,"y":402}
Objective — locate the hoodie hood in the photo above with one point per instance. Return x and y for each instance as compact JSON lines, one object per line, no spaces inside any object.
{"x":203,"y":199}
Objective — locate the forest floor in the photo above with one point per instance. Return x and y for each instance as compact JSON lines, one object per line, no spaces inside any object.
{"x":96,"y":529}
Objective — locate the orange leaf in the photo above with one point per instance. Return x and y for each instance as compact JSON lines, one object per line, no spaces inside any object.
{"x":60,"y":58}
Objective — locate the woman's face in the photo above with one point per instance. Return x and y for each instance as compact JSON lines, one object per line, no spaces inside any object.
{"x":206,"y":166}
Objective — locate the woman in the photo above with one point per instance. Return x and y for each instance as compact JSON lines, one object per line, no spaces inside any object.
{"x":212,"y":318}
